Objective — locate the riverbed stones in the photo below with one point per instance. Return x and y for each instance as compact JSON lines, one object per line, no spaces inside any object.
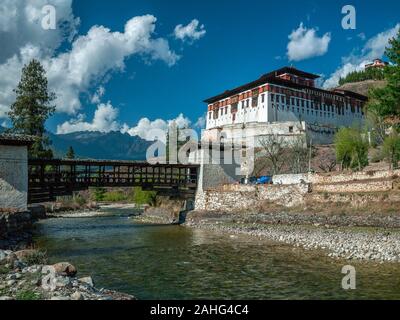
{"x":77,"y":296}
{"x":61,"y":282}
{"x":65,"y":269}
{"x":87,"y":280}
{"x":24,"y":254}
{"x":51,"y":282}
{"x":372,"y":245}
{"x":2,"y":256}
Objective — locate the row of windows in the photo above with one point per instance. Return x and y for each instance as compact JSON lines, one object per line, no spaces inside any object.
{"x":309,"y":104}
{"x":308,"y":94}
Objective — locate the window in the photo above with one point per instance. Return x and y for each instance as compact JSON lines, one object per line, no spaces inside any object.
{"x":290,"y":129}
{"x":262,"y":98}
{"x":210,"y":115}
{"x":254,"y":101}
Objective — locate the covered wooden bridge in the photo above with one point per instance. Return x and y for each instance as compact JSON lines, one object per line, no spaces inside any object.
{"x":51,"y":178}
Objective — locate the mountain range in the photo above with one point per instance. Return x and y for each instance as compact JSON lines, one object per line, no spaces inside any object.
{"x":98,"y":145}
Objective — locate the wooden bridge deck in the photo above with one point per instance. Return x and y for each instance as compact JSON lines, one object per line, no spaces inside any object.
{"x":51,"y":178}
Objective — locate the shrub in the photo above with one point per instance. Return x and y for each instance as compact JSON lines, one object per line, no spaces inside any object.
{"x":79,"y":200}
{"x":391,"y":149}
{"x":351,"y":149}
{"x":141,"y":197}
{"x":98,"y":194}
{"x":35,"y":258}
{"x":114,"y":196}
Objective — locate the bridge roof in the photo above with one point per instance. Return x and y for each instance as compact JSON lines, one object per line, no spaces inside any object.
{"x":16,"y":139}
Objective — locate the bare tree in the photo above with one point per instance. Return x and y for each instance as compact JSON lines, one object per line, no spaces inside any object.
{"x":273,"y":150}
{"x":298,"y":155}
{"x":378,"y":125}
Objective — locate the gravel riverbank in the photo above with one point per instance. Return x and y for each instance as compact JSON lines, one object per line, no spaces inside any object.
{"x":338,"y":242}
{"x":25,"y":276}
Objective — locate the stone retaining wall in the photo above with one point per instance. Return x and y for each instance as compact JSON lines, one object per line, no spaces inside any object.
{"x":327,"y":178}
{"x":14,"y":222}
{"x":240,"y":197}
{"x":370,"y":186}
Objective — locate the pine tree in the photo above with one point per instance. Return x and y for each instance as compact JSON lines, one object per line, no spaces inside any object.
{"x":70,"y":153}
{"x":386,"y":101}
{"x":32,"y":108}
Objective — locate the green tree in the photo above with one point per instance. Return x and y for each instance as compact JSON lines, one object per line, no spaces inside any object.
{"x":32,"y":108}
{"x":351,"y":149}
{"x":386,"y":100}
{"x":367,"y":74}
{"x":70,"y":153}
{"x":391,"y":149}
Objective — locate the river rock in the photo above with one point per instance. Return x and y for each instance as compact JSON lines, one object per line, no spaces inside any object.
{"x":19,"y":265}
{"x":11,"y":258}
{"x":65,"y":268}
{"x":3,"y":256}
{"x":62,"y":282}
{"x":23,"y":254}
{"x":60,"y":298}
{"x":87,"y":280}
{"x":76,"y":296}
{"x":11,"y":282}
{"x":5,"y":298}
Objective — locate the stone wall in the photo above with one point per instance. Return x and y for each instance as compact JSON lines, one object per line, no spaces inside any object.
{"x":240,"y":197}
{"x":334,"y":177}
{"x":216,"y":167}
{"x":370,"y":186}
{"x":11,"y":223}
{"x":13,"y":178}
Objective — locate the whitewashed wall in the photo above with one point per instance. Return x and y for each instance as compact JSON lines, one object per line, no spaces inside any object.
{"x":13,"y":177}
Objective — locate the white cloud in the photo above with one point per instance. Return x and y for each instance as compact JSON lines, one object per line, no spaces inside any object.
{"x":104,"y":120}
{"x":304,"y":44}
{"x":374,"y":48}
{"x":20,"y":24}
{"x":201,"y":122}
{"x":146,"y":128}
{"x":91,"y":58}
{"x":193,"y":31}
{"x":96,"y":98}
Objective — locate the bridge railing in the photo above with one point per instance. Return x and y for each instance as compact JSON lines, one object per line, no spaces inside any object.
{"x":51,"y":178}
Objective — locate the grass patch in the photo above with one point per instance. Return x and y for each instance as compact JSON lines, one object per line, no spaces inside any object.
{"x":36,"y":257}
{"x":28,"y":295}
{"x":4,"y":270}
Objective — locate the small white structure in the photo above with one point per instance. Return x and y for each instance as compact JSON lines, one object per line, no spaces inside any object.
{"x":14,"y":172}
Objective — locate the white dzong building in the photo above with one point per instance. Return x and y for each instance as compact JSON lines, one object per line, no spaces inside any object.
{"x":284,"y":102}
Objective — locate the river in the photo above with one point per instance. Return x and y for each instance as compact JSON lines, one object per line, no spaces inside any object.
{"x":176,"y":262}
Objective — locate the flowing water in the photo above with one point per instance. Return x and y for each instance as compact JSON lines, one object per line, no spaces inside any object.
{"x":175,"y":262}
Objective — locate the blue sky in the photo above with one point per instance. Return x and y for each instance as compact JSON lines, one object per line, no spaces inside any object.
{"x":242,"y":40}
